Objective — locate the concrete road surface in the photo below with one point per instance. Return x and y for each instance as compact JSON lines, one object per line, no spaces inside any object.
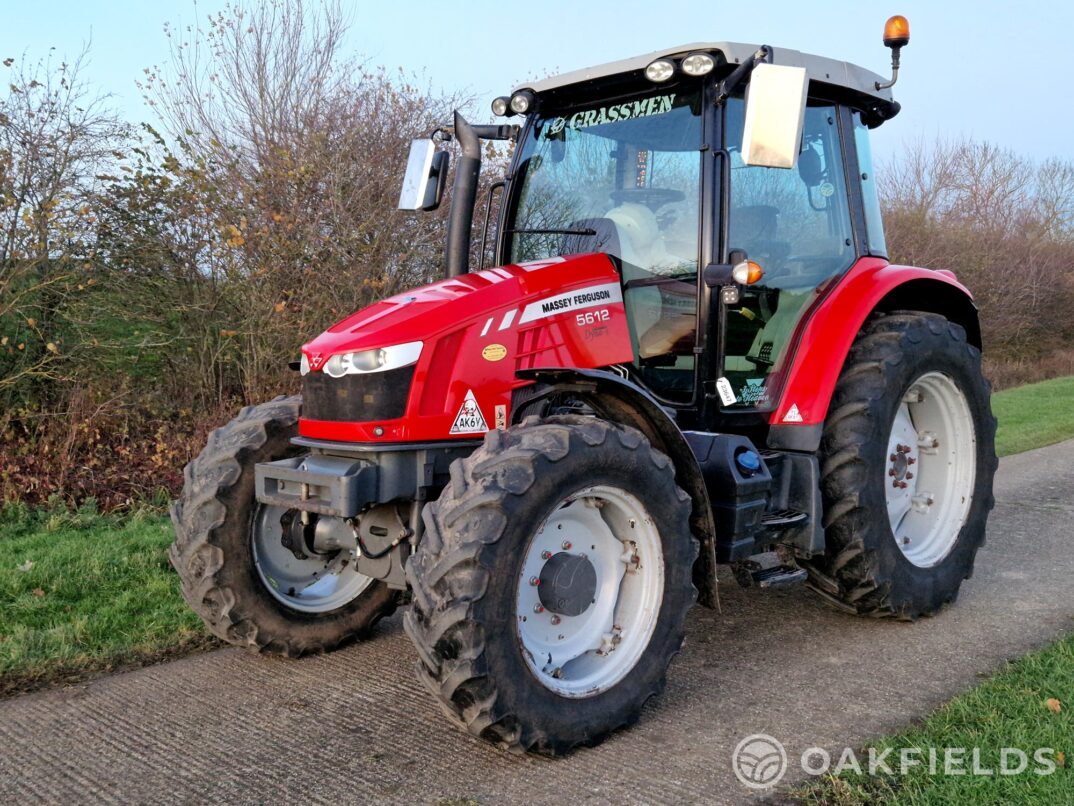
{"x":356,"y":727}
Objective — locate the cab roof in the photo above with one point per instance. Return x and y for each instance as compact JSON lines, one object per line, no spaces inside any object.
{"x":819,"y":68}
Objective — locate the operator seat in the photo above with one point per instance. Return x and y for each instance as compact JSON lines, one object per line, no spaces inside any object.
{"x":640,"y":241}
{"x":657,"y":324}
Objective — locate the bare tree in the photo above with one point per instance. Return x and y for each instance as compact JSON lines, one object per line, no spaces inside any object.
{"x":1006,"y":225}
{"x":304,"y":148}
{"x":55,"y":135}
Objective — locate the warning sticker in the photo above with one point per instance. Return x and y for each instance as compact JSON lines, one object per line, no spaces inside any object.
{"x":793,"y":416}
{"x":469,"y":420}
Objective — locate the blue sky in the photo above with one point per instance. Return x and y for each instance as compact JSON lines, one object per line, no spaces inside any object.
{"x":992,"y":70}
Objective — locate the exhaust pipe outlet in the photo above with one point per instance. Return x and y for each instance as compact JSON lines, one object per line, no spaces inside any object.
{"x":463,"y":199}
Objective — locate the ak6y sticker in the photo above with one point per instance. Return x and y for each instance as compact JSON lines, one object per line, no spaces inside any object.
{"x":469,"y":420}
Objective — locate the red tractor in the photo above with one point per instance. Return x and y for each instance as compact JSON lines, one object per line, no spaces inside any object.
{"x":693,"y":351}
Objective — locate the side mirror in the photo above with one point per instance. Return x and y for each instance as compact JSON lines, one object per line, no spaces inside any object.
{"x":426,"y":177}
{"x":775,"y":113}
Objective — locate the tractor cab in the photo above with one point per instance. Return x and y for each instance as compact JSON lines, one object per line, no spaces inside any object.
{"x":679,"y":162}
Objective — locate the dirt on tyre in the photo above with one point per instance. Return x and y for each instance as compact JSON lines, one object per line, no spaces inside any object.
{"x":907,"y":463}
{"x":235,"y":567}
{"x":551,"y":587}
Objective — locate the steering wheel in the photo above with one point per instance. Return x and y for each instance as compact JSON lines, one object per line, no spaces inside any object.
{"x":660,"y":279}
{"x":653,"y":198}
{"x":812,"y":270}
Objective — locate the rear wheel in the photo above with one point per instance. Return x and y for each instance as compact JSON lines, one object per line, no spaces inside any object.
{"x":552,"y":584}
{"x":257,"y":575}
{"x":907,"y":461}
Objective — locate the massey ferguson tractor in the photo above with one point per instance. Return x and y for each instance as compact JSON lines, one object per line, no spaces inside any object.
{"x":692,"y":351}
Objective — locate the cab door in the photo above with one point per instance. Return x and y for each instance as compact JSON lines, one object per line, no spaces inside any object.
{"x":798,"y":225}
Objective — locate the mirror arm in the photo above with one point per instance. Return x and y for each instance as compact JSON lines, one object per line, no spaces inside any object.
{"x":508,"y":131}
{"x":740,"y":73}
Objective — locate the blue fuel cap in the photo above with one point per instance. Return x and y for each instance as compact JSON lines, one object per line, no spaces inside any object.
{"x":749,"y":461}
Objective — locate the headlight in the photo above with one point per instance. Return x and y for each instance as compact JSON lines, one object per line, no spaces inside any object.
{"x":501,"y":106}
{"x":522,"y":102}
{"x":660,"y":70}
{"x":698,"y":64}
{"x":303,"y":365}
{"x":381,"y":359}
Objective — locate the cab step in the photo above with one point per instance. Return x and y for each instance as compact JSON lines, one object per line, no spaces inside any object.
{"x":779,"y":577}
{"x":783,"y":519}
{"x":767,"y":570}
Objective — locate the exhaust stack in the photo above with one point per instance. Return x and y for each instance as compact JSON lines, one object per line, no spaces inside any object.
{"x":463,"y":198}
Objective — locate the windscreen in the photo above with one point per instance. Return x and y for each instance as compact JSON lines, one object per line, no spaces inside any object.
{"x":623,"y":177}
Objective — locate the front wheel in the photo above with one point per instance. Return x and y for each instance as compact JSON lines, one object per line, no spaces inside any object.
{"x":257,"y":575}
{"x":552,"y":584}
{"x":907,"y":461}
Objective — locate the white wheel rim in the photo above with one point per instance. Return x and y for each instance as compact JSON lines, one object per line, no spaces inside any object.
{"x":318,"y":584}
{"x":586,"y":654}
{"x":930,"y":470}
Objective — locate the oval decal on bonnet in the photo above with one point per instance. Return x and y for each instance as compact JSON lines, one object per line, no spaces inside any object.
{"x":494,"y":352}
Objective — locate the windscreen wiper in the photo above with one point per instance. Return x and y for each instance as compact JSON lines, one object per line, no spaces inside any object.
{"x":586,"y":231}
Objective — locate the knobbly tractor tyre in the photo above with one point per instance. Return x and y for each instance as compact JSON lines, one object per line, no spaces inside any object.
{"x":907,"y":461}
{"x":551,"y":587}
{"x":245,"y":568}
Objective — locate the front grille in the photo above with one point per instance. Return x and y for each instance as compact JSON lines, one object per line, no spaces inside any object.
{"x":356,"y":398}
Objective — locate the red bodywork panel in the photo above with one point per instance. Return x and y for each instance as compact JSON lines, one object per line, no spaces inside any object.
{"x":477,"y":331}
{"x":825,"y":339}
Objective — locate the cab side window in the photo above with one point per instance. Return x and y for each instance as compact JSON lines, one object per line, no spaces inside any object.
{"x":796,"y":224}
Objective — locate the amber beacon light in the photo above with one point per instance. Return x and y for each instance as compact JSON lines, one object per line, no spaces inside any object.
{"x":897,"y":31}
{"x":896,"y":37}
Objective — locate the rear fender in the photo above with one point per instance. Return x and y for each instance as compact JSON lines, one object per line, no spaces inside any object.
{"x":618,"y":400}
{"x":871,"y":286}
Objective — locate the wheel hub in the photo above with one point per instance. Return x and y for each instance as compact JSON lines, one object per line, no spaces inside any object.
{"x":305,"y":566}
{"x":568,"y":584}
{"x":589,"y":591}
{"x":931,"y":458}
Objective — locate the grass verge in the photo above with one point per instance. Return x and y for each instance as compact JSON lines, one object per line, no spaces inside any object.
{"x":82,"y":593}
{"x":1028,"y":705}
{"x":1034,"y":415}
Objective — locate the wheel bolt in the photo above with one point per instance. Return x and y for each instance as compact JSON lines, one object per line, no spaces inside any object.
{"x":891,"y":472}
{"x":892,"y":458}
{"x":538,"y":608}
{"x":911,"y":461}
{"x":909,"y":475}
{"x":545,"y":555}
{"x":902,"y":485}
{"x":555,"y":620}
{"x":535,"y":581}
{"x":566,"y":545}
